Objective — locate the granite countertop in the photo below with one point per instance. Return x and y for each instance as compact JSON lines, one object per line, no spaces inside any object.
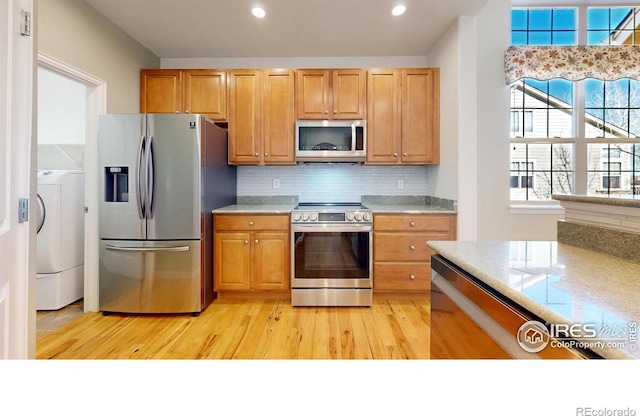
{"x":256,"y":209}
{"x":408,"y":209}
{"x":617,"y":200}
{"x":560,"y":283}
{"x":378,"y":204}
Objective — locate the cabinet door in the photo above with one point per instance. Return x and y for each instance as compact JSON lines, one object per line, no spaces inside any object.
{"x":420,"y":115}
{"x":278,"y":116}
{"x":383,"y":116}
{"x":244,"y":116}
{"x":313,"y":94}
{"x":349,"y":89}
{"x":271,"y":261}
{"x":205,"y":92}
{"x":160,"y":91}
{"x":232,"y":261}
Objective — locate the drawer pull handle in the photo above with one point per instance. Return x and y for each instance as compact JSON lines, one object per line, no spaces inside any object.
{"x":246,"y":241}
{"x":251,"y":223}
{"x":412,"y":247}
{"x":256,"y":241}
{"x":413,"y":224}
{"x":412,"y":277}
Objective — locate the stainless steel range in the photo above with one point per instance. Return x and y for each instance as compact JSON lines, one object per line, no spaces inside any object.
{"x":331,"y":262}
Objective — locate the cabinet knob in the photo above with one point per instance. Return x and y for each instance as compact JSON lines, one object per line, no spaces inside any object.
{"x":404,"y":154}
{"x":326,"y":112}
{"x":412,"y":277}
{"x":335,"y":111}
{"x":266,"y":154}
{"x":256,"y":154}
{"x":177,"y":112}
{"x":395,"y":154}
{"x":256,"y":241}
{"x":412,"y":247}
{"x":251,"y":223}
{"x":413,"y":224}
{"x":186,"y":111}
{"x":246,"y":241}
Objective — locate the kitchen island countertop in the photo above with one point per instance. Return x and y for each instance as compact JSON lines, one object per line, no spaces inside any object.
{"x":560,"y":283}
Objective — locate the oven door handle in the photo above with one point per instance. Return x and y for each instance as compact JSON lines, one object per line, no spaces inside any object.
{"x":330,"y":228}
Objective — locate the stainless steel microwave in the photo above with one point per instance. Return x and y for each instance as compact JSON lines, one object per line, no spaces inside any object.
{"x":331,"y":140}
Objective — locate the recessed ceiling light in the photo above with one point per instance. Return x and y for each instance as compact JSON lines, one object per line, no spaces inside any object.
{"x":258,"y":12}
{"x":398,"y":10}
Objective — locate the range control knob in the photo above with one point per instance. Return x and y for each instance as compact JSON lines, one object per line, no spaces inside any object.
{"x":350,"y":216}
{"x":358,"y":216}
{"x":296,"y":216}
{"x":366,"y":216}
{"x":305,"y":216}
{"x":313,"y":216}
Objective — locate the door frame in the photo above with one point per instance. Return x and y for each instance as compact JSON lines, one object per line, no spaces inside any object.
{"x":96,"y":105}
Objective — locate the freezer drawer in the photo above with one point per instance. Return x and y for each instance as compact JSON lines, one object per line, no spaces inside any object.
{"x":150,"y":277}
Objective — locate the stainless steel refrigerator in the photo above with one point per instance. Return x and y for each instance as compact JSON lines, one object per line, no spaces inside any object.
{"x":161,"y":175}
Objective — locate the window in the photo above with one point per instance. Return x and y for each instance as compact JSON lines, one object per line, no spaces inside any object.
{"x":590,"y":124}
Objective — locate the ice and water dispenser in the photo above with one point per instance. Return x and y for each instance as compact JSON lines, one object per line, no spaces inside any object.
{"x":116,"y":184}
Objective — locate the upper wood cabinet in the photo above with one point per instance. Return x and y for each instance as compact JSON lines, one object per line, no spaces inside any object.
{"x":189,"y":91}
{"x":403,"y":116}
{"x":338,"y":94}
{"x":261,"y":116}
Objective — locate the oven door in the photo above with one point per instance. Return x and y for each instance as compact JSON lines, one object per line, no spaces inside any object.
{"x":331,"y":256}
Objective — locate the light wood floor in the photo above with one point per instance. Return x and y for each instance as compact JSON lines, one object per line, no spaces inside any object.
{"x":250,"y":329}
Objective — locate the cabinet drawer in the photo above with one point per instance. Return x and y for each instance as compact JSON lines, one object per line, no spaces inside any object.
{"x":223,"y":222}
{"x":403,"y":247}
{"x":402,"y":276}
{"x":406,"y":222}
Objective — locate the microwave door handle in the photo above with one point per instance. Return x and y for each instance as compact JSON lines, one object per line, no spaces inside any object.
{"x":353,"y":137}
{"x":140,"y":177}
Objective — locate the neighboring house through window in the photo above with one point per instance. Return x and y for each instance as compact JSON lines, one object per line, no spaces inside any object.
{"x":574,"y":136}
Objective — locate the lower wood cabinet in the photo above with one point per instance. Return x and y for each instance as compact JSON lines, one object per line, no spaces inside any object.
{"x":401,"y":257}
{"x":251,"y":252}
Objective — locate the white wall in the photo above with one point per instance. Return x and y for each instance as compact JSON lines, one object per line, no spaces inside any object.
{"x":298,"y":62}
{"x":495,"y":222}
{"x":73,"y":32}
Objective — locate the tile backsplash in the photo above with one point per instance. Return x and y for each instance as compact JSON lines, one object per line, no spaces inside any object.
{"x":320,"y":182}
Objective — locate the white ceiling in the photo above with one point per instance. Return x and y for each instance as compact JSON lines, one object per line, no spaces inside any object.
{"x":291,"y":28}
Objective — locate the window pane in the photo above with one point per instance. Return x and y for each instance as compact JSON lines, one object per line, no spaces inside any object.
{"x":617,"y":93}
{"x":598,"y":37}
{"x":539,"y":38}
{"x":560,"y":123}
{"x":518,"y":38}
{"x":519,"y":19}
{"x":562,"y":90}
{"x":613,"y":169}
{"x":562,"y":183}
{"x":597,"y":19}
{"x":564,"y":38}
{"x":618,"y":15}
{"x":540,"y":19}
{"x":564,"y":19}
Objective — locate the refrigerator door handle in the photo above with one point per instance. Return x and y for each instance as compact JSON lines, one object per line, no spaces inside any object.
{"x":140,"y":197}
{"x":150,"y":170}
{"x":146,"y":249}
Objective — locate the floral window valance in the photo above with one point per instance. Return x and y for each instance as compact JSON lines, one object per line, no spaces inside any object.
{"x":604,"y":62}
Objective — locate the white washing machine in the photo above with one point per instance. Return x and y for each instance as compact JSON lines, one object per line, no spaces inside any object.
{"x":60,"y":238}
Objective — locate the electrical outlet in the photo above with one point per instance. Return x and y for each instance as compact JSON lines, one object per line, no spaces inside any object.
{"x":276,"y":183}
{"x":400,"y":183}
